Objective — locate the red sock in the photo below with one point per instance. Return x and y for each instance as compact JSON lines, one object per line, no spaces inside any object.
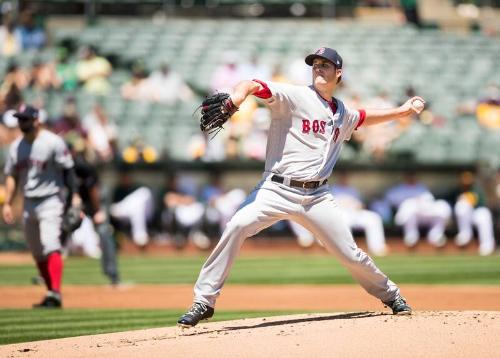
{"x":43,"y":268}
{"x":55,"y":269}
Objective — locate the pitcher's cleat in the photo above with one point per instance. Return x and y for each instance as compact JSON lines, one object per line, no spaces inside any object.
{"x":399,"y":306}
{"x":195,"y":314}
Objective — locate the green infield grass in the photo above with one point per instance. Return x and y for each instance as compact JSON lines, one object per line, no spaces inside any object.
{"x":286,"y":269}
{"x":26,"y":325}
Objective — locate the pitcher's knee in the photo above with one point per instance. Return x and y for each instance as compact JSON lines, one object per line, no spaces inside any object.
{"x":354,"y":258}
{"x":237,"y":227}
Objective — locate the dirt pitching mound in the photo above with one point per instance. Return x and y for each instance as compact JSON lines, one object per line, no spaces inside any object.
{"x":356,"y":334}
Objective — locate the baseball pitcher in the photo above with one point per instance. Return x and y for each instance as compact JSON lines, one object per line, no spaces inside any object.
{"x":307,"y":131}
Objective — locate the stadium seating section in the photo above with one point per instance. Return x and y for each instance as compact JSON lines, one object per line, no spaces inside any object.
{"x":444,"y":68}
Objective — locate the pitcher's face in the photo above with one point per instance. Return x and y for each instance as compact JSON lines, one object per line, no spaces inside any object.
{"x":324,"y":72}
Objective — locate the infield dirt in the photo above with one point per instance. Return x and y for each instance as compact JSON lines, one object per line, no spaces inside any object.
{"x":354,"y":334}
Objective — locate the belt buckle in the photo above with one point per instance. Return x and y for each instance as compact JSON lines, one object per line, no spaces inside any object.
{"x":304,"y":183}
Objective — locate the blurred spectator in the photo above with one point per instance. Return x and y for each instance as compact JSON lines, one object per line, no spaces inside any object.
{"x":255,"y":69}
{"x":410,"y":10}
{"x":66,"y":71}
{"x":416,"y":206}
{"x":488,"y":107}
{"x":68,"y":125}
{"x":93,"y":71}
{"x":10,"y":44}
{"x":182,"y":214}
{"x":471,"y":210}
{"x":10,"y":97}
{"x":137,"y":88}
{"x":358,"y":217}
{"x":168,"y":86}
{"x":32,"y":35}
{"x":227,"y":74}
{"x":376,"y":139}
{"x":133,"y":205}
{"x":43,"y":76}
{"x":14,"y":76}
{"x":102,"y":133}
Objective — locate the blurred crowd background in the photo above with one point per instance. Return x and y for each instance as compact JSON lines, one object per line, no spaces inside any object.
{"x":121,"y":82}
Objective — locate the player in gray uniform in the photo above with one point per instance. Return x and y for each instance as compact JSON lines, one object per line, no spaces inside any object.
{"x":307,"y":131}
{"x":40,"y":164}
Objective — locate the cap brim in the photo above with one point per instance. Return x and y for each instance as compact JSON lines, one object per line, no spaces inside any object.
{"x":22,"y":116}
{"x":310,"y":59}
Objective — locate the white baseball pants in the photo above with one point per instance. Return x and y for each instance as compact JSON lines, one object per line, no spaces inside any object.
{"x":423,"y":210}
{"x":480,"y":217}
{"x":137,"y":208}
{"x":317,"y":211}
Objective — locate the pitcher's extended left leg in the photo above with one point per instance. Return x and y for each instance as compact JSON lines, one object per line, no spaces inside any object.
{"x":324,"y":220}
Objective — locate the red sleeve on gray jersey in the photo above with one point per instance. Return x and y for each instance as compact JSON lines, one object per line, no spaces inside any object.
{"x":362,"y":116}
{"x":265,"y":92}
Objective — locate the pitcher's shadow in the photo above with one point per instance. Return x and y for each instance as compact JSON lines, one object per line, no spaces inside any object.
{"x":351,"y":315}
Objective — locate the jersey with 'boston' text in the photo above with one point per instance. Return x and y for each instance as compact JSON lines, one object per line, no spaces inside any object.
{"x":306,"y":132}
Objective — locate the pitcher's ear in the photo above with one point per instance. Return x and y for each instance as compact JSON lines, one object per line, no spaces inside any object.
{"x":339,"y":73}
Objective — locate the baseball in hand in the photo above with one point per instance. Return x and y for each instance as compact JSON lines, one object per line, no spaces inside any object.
{"x":417,"y":105}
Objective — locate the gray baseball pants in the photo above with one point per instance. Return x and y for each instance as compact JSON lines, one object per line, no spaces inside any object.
{"x":316,"y":210}
{"x":42,"y":218}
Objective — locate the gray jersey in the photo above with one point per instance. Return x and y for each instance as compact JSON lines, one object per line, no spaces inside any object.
{"x":305,"y":136}
{"x":38,"y":166}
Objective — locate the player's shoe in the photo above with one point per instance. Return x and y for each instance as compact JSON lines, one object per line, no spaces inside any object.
{"x":195,"y":314}
{"x":399,"y":306}
{"x":52,"y":300}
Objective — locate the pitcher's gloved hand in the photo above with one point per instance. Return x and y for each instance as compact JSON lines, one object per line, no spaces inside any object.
{"x":215,"y":111}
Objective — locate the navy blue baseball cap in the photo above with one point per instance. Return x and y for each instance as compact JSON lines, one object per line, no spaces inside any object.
{"x":326,"y":53}
{"x":27,"y":112}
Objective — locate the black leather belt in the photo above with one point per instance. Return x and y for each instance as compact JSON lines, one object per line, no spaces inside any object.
{"x":299,"y":184}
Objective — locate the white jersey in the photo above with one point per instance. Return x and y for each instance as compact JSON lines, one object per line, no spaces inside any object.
{"x":306,"y":132}
{"x":38,"y":166}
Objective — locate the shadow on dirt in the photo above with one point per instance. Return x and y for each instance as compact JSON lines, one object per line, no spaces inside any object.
{"x":342,"y":316}
{"x":351,"y":315}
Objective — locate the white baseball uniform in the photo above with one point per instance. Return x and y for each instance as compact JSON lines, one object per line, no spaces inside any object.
{"x":423,"y":209}
{"x":304,"y":142}
{"x":470,"y":210}
{"x":136,"y":208}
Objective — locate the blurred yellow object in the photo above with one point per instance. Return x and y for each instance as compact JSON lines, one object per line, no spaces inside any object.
{"x":488,"y":115}
{"x":149,"y":154}
{"x":470,"y":197}
{"x":130,"y":155}
{"x":2,"y":194}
